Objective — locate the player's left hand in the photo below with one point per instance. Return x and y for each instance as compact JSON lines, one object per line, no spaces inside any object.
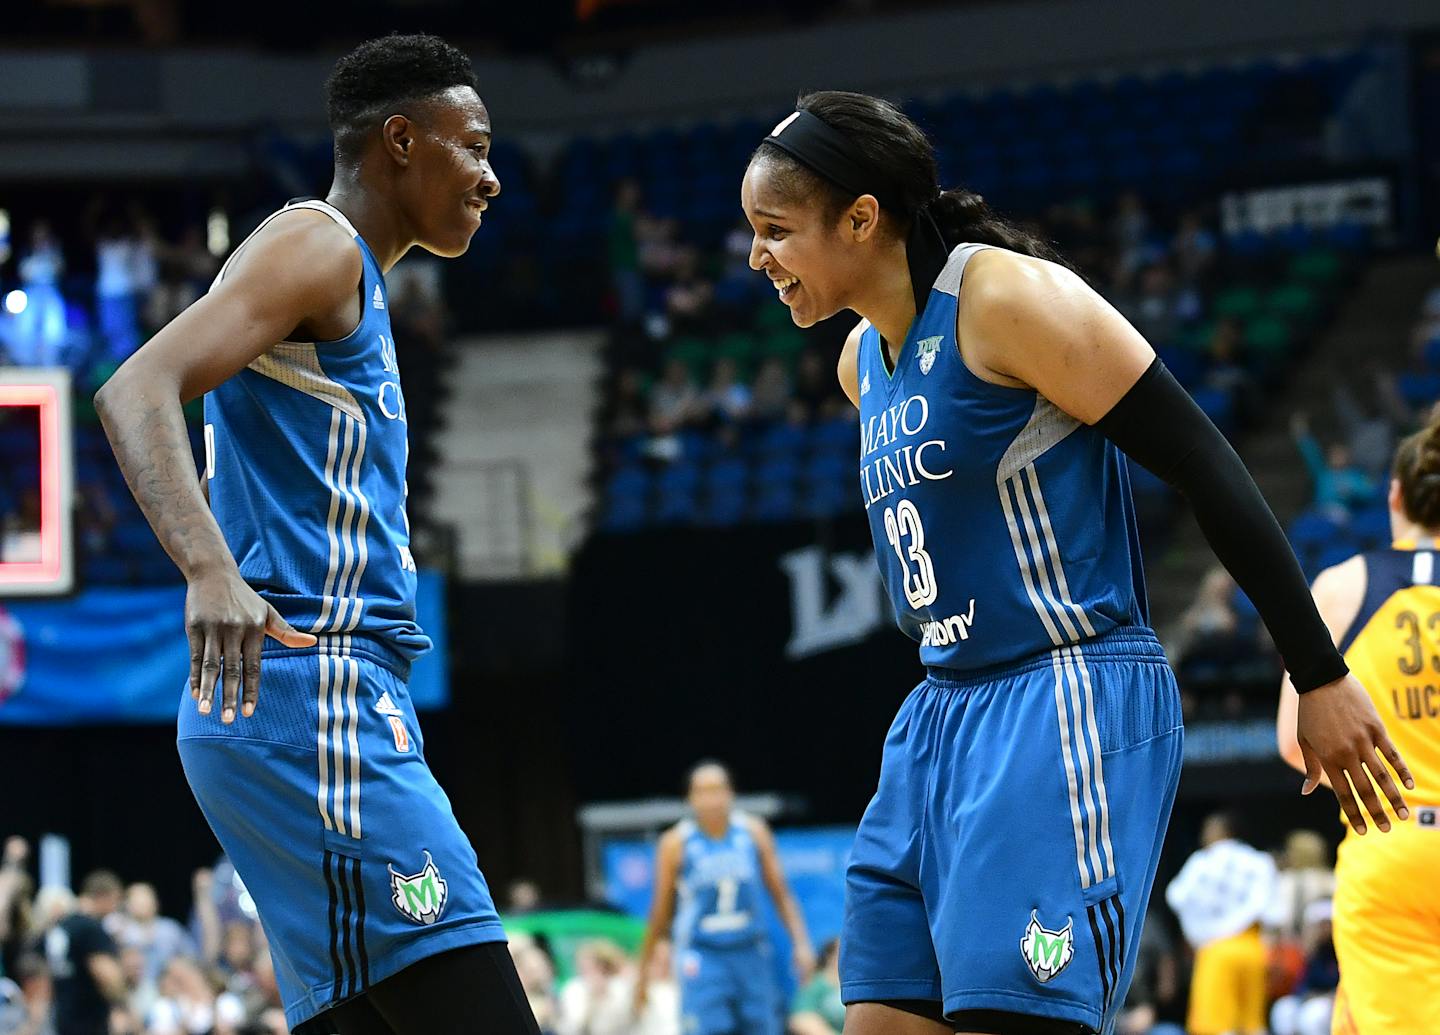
{"x":1341,"y":736}
{"x":804,"y":959}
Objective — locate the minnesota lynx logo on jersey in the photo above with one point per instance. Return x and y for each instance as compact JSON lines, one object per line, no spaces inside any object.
{"x":1047,"y":953}
{"x":928,"y":349}
{"x":421,"y":896}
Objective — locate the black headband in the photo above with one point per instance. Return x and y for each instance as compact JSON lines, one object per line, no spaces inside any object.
{"x":816,"y":144}
{"x":825,"y":150}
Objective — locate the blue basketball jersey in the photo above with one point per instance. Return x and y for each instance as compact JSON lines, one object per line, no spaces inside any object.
{"x":305,"y":452}
{"x":719,"y":887}
{"x":1003,"y":527}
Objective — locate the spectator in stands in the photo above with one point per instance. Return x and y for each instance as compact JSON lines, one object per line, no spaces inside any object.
{"x":1129,"y":230}
{"x":537,"y":978}
{"x":817,"y":389}
{"x":523,"y":896}
{"x":1340,"y":485}
{"x":39,"y":332}
{"x":1305,"y":878}
{"x":1225,"y":371}
{"x":159,"y":938}
{"x":771,"y":393}
{"x":121,"y":266}
{"x":27,"y":1003}
{"x":596,"y":1001}
{"x":1370,"y":435}
{"x":1213,"y":648}
{"x":1155,"y":984}
{"x":662,"y":994}
{"x":1220,"y":896}
{"x":728,"y":399}
{"x":1194,"y":249}
{"x":1309,"y":1010}
{"x":188,"y":1004}
{"x":627,"y":406}
{"x":185,"y":272}
{"x":674,"y":401}
{"x":84,"y":964}
{"x":1155,"y":311}
{"x":143,"y":990}
{"x":15,"y":891}
{"x":688,"y":298}
{"x":623,"y":248}
{"x":817,"y":1008}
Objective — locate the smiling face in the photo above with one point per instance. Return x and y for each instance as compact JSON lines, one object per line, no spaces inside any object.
{"x":812,"y":254}
{"x":448,"y":181}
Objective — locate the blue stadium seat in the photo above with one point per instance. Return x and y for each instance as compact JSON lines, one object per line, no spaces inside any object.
{"x":1419,"y":389}
{"x":841,"y":434}
{"x":1312,"y":530}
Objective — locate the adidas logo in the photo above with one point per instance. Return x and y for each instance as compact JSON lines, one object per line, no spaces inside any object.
{"x":385,"y":706}
{"x":865,"y":384}
{"x":378,"y":300}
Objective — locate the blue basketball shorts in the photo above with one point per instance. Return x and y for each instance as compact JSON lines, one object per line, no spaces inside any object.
{"x":325,"y":804}
{"x":728,"y":991}
{"x":1007,"y":857}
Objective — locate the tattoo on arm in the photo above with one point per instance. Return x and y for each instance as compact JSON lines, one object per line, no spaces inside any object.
{"x":146,"y":428}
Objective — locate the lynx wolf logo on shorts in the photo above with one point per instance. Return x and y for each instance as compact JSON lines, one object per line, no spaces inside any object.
{"x":420,"y":897}
{"x":928,"y":349}
{"x":1047,"y":953}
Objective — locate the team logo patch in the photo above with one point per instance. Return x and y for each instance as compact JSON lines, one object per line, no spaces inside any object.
{"x":928,"y":349}
{"x":420,"y":897}
{"x":1046,"y":952}
{"x":400,"y":733}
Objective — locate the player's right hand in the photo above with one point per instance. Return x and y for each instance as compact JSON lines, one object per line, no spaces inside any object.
{"x":1341,"y":737}
{"x":227,"y":623}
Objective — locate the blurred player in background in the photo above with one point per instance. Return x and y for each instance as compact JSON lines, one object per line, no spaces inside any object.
{"x":377,"y":915}
{"x":1383,"y":608}
{"x":1002,"y":870}
{"x":715,"y":864}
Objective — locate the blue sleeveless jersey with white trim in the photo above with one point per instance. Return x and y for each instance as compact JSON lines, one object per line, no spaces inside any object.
{"x":306,"y":451}
{"x":1003,"y":527}
{"x":719,"y":887}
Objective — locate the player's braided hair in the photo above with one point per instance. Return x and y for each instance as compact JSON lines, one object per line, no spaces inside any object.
{"x":892,"y":145}
{"x":368,"y":84}
{"x":1417,"y":467}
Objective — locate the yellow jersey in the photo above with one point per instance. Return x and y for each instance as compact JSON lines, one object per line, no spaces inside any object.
{"x":1387,"y":901}
{"x":1393,"y":648}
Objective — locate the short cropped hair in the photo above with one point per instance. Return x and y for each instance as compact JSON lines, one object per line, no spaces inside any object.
{"x":368,"y":83}
{"x":101,"y":882}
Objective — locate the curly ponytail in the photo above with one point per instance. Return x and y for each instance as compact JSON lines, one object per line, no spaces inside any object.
{"x":963,"y":215}
{"x":1417,"y":468}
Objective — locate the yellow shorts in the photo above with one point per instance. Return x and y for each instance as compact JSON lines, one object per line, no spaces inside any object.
{"x":1387,"y":927}
{"x":1227,"y":991}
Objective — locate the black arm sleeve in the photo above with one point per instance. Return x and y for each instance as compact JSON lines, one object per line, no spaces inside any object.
{"x":1161,"y":428}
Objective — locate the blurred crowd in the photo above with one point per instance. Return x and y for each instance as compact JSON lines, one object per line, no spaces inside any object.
{"x":91,"y":301}
{"x":108,"y":961}
{"x":87,"y":303}
{"x":666,"y":290}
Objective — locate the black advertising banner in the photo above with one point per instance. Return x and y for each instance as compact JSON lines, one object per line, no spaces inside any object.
{"x":771,"y":648}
